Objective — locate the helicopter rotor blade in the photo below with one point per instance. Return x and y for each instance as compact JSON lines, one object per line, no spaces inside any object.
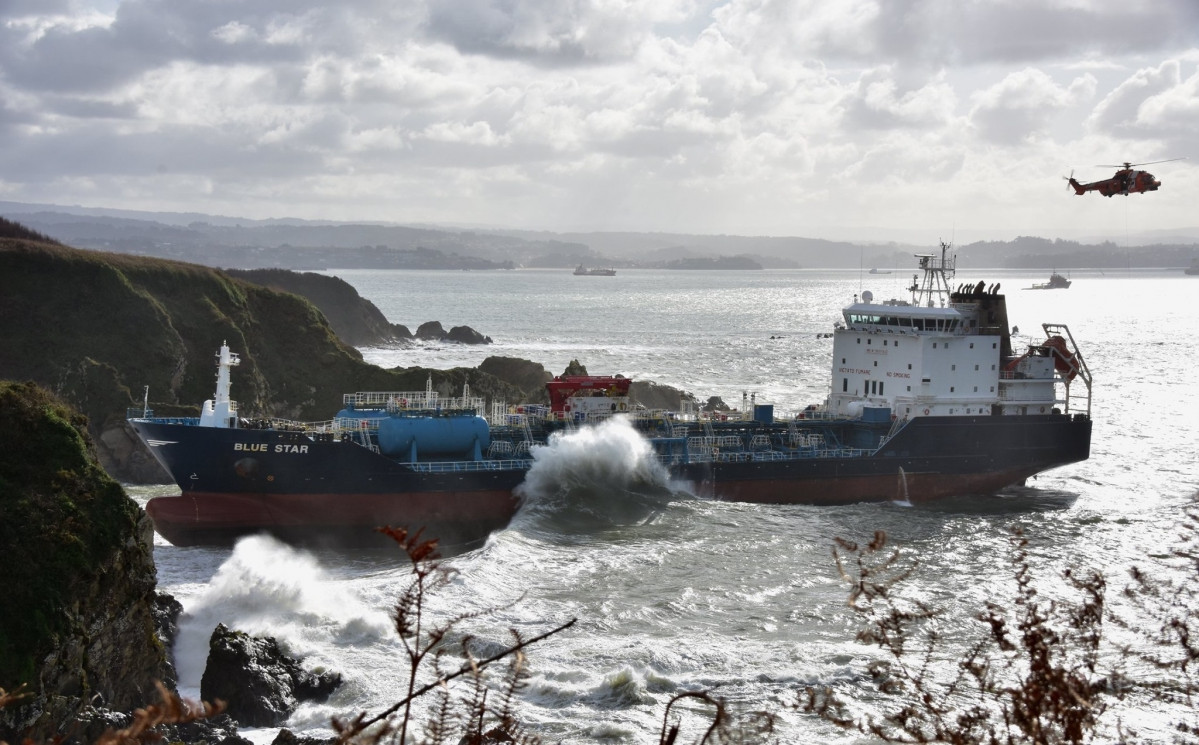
{"x":1133,"y":165}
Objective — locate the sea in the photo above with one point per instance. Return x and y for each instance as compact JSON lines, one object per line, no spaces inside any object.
{"x":676,"y":594}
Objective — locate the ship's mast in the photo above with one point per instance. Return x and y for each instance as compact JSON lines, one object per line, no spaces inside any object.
{"x":221,"y":410}
{"x":934,"y":285}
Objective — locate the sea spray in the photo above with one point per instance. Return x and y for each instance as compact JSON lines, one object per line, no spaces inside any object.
{"x":595,"y":477}
{"x":267,"y":588}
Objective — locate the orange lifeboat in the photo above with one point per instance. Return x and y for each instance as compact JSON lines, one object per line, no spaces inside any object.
{"x":1063,"y":358}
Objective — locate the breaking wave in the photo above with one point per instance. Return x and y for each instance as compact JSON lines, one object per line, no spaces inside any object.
{"x":267,"y":588}
{"x":594,"y":477}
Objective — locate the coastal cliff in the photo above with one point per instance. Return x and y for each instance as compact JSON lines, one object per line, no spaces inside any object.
{"x":354,"y":319}
{"x":78,"y":628}
{"x":96,"y":329}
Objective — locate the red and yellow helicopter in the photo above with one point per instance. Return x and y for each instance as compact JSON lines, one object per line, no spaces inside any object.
{"x":1126,"y":181}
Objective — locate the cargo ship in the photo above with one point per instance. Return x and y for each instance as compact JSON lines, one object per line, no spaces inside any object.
{"x":928,"y":400}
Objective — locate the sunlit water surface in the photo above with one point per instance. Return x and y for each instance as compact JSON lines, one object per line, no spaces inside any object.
{"x":677,"y":594}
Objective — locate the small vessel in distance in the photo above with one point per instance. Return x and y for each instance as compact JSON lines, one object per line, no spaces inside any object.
{"x":1056,"y":282}
{"x":582,"y":271}
{"x":876,"y":270}
{"x":927,"y":400}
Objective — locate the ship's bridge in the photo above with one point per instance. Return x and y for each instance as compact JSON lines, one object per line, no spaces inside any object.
{"x":900,"y":317}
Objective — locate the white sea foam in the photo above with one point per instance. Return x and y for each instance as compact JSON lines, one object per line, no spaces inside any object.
{"x":268,"y":588}
{"x":598,"y":475}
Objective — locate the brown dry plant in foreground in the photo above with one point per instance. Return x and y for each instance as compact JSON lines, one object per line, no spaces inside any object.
{"x":478,"y":721}
{"x":1032,"y":677}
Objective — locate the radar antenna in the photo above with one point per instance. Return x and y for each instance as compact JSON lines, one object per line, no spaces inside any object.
{"x":937,"y":274}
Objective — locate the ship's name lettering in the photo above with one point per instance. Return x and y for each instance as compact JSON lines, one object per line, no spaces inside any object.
{"x":262,"y":447}
{"x":876,"y":351}
{"x":898,"y":375}
{"x":854,"y":371}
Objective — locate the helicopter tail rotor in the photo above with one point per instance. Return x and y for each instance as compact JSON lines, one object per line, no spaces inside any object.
{"x":1072,"y":184}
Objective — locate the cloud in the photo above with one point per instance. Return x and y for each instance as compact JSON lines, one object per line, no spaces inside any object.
{"x":876,"y":102}
{"x":650,"y":112}
{"x":1121,"y":110}
{"x":551,"y":32}
{"x":1023,"y":104}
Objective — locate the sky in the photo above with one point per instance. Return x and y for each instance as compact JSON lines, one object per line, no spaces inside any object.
{"x":856,"y":119}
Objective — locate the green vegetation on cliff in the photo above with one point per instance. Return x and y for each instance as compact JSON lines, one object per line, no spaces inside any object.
{"x":61,"y":517}
{"x":95,"y":328}
{"x":355,"y":319}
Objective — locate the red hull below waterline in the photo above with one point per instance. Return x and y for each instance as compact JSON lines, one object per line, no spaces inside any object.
{"x":454,"y":518}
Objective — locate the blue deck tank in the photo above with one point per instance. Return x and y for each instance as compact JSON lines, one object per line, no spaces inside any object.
{"x":413,"y":438}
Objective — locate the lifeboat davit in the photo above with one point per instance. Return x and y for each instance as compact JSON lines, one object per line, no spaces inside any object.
{"x":1063,"y":359}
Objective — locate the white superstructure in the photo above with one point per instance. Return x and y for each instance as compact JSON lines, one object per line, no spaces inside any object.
{"x":947,"y":352}
{"x":220,"y":410}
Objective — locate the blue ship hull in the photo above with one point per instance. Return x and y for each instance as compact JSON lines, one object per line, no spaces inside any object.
{"x":318,"y":488}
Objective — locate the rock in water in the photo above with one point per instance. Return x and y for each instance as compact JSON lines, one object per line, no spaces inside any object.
{"x":260,"y":685}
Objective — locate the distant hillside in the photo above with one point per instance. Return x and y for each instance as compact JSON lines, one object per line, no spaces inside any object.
{"x":96,"y":327}
{"x":310,"y":244}
{"x":10,"y":229}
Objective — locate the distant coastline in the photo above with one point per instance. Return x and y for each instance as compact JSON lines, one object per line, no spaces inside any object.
{"x":309,"y":245}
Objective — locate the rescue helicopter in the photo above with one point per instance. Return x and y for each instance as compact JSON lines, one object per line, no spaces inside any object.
{"x":1126,"y":181}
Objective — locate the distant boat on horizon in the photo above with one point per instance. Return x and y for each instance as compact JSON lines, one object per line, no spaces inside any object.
{"x":876,"y":270}
{"x":1056,"y":282}
{"x":582,"y":271}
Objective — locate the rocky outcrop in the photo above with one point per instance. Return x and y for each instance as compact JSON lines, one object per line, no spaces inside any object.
{"x":431,"y":331}
{"x":434,"y":331}
{"x":355,"y":320}
{"x":466,"y":335}
{"x":260,"y":685}
{"x":715,"y":404}
{"x":78,"y":626}
{"x":287,"y":737}
{"x":654,"y":396}
{"x":530,"y":377}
